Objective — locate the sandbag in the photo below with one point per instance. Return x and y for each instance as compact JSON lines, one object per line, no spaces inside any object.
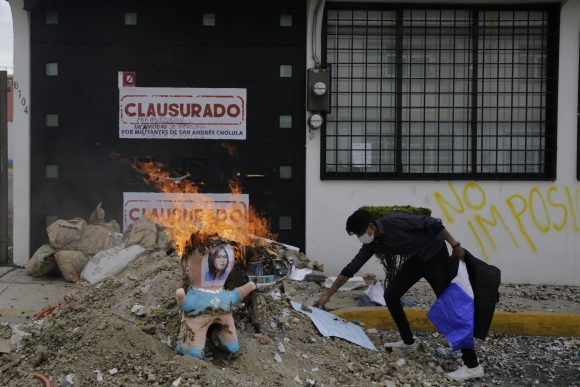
{"x":42,"y":262}
{"x":63,"y":234}
{"x":97,"y":237}
{"x":71,"y":264}
{"x":109,"y":263}
{"x":143,"y":232}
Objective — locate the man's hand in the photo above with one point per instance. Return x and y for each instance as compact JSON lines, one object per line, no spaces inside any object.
{"x":321,"y":301}
{"x":458,"y":252}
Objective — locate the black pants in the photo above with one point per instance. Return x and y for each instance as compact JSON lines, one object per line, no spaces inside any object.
{"x":436,"y":272}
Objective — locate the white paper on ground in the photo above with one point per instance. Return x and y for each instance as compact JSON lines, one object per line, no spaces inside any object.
{"x":298,"y":274}
{"x":331,"y":325}
{"x":351,"y":284}
{"x":376,"y":293}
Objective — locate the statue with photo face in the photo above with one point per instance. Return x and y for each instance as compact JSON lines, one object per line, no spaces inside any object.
{"x":203,"y":301}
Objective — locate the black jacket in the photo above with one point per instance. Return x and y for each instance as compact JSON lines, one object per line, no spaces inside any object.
{"x":408,"y":235}
{"x":485,"y":280}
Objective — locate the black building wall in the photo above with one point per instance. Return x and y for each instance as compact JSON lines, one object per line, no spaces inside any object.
{"x":168,"y":47}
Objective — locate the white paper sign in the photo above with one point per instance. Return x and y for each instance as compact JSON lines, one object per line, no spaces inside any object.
{"x":226,"y":207}
{"x":174,"y":113}
{"x":330,"y":325}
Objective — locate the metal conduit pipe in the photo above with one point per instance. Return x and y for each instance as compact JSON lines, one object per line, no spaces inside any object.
{"x":319,"y":5}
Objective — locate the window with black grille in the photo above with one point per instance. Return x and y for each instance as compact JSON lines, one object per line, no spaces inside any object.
{"x":441,"y":93}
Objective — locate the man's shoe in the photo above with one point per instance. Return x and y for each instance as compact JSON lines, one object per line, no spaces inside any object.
{"x":465,"y":373}
{"x":402,"y":346}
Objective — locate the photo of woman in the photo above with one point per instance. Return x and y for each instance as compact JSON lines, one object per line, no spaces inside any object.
{"x":218,"y":266}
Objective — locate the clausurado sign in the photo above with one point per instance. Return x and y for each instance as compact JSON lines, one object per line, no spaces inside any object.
{"x":180,"y":113}
{"x":225,"y":207}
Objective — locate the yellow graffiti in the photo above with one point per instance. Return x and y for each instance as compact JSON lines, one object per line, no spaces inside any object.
{"x":444,"y":203}
{"x":481,"y":221}
{"x":478,"y":239}
{"x":557,"y":227}
{"x":548,"y":210}
{"x":466,"y":196}
{"x":572,"y":211}
{"x":545,"y":228}
{"x":518,"y":217}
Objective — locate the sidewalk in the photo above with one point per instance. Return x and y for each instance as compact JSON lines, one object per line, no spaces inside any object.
{"x":21,"y":296}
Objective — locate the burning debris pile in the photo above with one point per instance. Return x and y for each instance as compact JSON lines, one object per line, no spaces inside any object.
{"x":123,"y":331}
{"x":191,"y":285}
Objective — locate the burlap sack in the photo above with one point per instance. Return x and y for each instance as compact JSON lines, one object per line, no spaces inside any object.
{"x":42,"y":262}
{"x":63,"y":234}
{"x":97,"y":237}
{"x":143,"y":232}
{"x":71,"y":264}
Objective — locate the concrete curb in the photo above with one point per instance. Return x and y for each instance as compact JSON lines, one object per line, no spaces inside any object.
{"x":519,"y":323}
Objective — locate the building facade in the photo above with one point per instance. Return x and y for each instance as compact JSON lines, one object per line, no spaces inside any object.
{"x":467,"y":108}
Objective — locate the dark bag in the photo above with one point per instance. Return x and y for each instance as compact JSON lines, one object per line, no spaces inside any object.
{"x":485,"y":280}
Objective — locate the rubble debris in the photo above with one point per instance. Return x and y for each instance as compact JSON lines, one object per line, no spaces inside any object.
{"x":298,"y":274}
{"x":352,"y":283}
{"x":315,"y":276}
{"x":277,"y":357}
{"x":67,"y":380}
{"x":301,"y":261}
{"x":281,"y":347}
{"x":5,"y":346}
{"x":98,"y":331}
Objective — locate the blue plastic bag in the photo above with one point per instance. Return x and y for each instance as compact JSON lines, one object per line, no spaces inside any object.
{"x":452,"y":313}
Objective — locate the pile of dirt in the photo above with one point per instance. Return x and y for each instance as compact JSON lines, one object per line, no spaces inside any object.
{"x":122,"y":331}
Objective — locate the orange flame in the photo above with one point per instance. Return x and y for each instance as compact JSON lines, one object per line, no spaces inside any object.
{"x":237,"y":223}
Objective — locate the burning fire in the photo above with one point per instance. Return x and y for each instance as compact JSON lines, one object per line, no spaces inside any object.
{"x":238,"y":223}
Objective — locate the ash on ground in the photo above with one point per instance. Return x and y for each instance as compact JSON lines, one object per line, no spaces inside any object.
{"x":121,"y":332}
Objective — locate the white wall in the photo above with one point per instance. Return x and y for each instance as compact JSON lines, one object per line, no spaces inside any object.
{"x":21,"y":131}
{"x":540,"y":242}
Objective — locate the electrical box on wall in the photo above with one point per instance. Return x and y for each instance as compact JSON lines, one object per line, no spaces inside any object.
{"x":319,"y":90}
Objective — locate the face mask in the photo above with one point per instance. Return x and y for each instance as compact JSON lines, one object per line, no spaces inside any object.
{"x":366,"y":238}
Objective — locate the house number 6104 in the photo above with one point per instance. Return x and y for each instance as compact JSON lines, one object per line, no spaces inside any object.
{"x":20,"y":97}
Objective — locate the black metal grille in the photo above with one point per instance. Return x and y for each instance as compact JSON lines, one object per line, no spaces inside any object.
{"x":435,"y":93}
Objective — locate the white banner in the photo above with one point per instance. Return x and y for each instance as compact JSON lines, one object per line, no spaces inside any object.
{"x":162,"y":113}
{"x":191,"y":207}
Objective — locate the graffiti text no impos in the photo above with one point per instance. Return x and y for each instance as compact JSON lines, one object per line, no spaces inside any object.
{"x":546,"y":210}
